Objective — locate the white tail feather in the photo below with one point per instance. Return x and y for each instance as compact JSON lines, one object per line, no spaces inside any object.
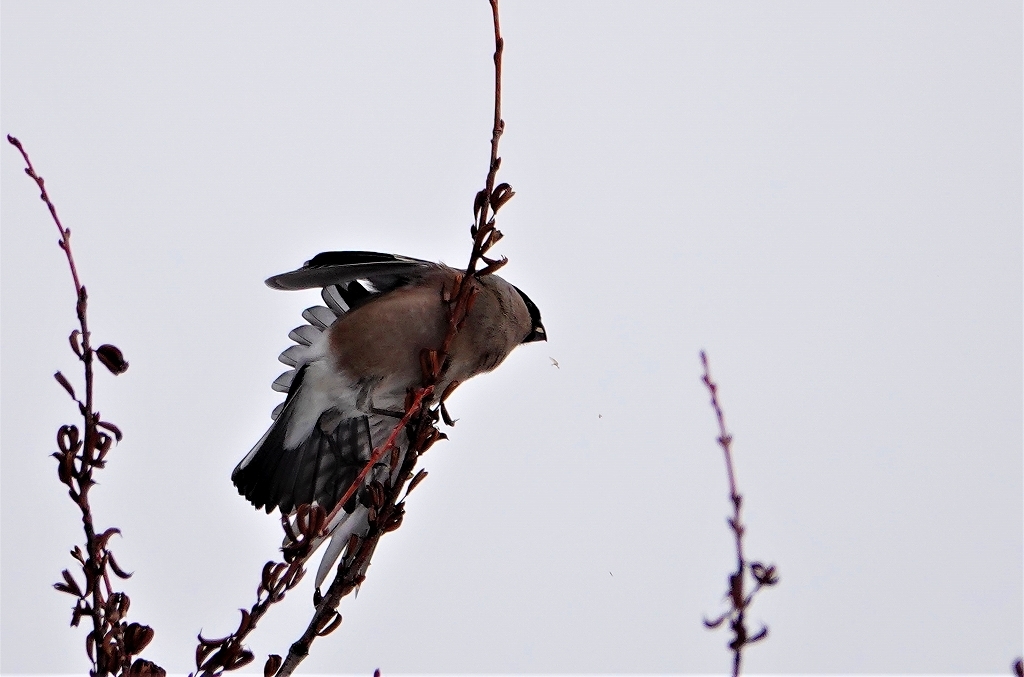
{"x":354,"y":523}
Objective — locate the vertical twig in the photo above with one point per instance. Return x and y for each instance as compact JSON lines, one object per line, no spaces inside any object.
{"x":112,"y":642}
{"x":419,"y":422}
{"x":763,"y":575}
{"x":483,"y":232}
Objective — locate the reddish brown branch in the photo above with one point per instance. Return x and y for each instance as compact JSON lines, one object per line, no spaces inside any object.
{"x":485,"y":235}
{"x":384,"y":500}
{"x":216,"y":656}
{"x":762,"y":575}
{"x":112,"y":642}
{"x":419,"y":421}
{"x":378,"y":454}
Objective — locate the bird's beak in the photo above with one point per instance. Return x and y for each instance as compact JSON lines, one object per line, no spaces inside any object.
{"x":538,"y":334}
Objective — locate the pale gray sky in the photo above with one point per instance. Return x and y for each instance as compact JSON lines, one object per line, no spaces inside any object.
{"x":824,"y":195}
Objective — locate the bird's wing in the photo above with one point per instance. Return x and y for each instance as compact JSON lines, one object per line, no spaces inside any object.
{"x":321,"y":467}
{"x":384,"y":271}
{"x":348,"y":280}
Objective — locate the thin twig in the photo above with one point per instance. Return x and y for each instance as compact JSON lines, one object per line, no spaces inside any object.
{"x":378,"y":454}
{"x":763,"y":575}
{"x":484,"y":234}
{"x":419,"y":422}
{"x":216,"y":656}
{"x":112,"y":642}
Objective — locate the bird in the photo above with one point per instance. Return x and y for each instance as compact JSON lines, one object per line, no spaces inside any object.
{"x":350,"y":370}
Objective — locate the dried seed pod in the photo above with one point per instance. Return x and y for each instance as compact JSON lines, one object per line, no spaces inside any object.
{"x":70,"y":585}
{"x":302,"y":518}
{"x":420,"y":476}
{"x":765,"y":575}
{"x":502,"y":193}
{"x":293,"y":577}
{"x":203,"y":655}
{"x":102,"y":539}
{"x":445,"y":416}
{"x":103,"y":443}
{"x":244,"y":624}
{"x":272,"y":665}
{"x":493,"y":239}
{"x":267,"y":579}
{"x":395,"y":519}
{"x":120,"y":573}
{"x":289,"y":532}
{"x":65,"y":384}
{"x":137,"y":637}
{"x":68,"y":439}
{"x":761,"y":634}
{"x":376,"y":492}
{"x":76,"y":614}
{"x":116,"y":607}
{"x":329,"y":624}
{"x":112,"y":428}
{"x":143,"y":668}
{"x":478,"y":203}
{"x":64,"y":467}
{"x":112,"y":359}
{"x":244,"y":658}
{"x":211,"y":642}
{"x":449,"y":389}
{"x":492,"y":266}
{"x":76,"y":344}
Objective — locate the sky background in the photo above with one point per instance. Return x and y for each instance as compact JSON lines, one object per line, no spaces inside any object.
{"x":826,"y":196}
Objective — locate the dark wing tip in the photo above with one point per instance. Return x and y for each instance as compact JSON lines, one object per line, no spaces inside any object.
{"x":348,"y":258}
{"x":332,"y":267}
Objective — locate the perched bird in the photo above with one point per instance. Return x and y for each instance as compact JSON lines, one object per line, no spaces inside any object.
{"x":352,"y":366}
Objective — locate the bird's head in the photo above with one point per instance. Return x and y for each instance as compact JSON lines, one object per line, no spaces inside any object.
{"x":537,"y":332}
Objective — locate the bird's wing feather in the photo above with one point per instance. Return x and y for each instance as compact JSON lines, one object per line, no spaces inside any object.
{"x":384,"y":271}
{"x":322,"y":466}
{"x":319,"y":468}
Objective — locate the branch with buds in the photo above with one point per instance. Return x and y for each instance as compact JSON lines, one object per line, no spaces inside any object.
{"x":386,"y":503}
{"x":113,"y":642}
{"x":763,"y":575}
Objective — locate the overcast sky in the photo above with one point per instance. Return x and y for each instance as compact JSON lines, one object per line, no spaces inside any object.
{"x":825,"y":196}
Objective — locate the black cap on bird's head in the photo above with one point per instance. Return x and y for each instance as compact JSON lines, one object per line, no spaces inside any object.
{"x":537,"y":332}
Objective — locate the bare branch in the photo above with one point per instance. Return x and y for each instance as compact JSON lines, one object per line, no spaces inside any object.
{"x":112,"y":642}
{"x":418,"y":421}
{"x":763,"y":575}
